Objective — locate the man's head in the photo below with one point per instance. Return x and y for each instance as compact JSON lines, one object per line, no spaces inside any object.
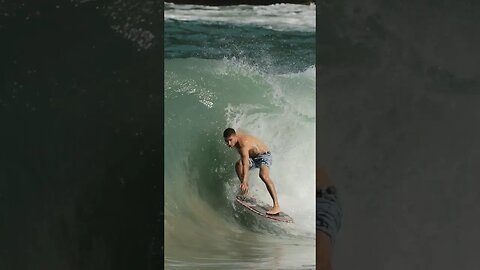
{"x":230,"y":137}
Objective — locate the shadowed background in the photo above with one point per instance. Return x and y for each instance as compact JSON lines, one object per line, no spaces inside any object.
{"x":81,"y":135}
{"x":397,"y":129}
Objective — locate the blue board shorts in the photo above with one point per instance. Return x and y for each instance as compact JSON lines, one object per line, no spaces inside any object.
{"x":328,"y":213}
{"x":257,"y":161}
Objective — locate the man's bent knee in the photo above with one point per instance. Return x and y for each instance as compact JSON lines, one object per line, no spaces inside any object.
{"x":265,"y":178}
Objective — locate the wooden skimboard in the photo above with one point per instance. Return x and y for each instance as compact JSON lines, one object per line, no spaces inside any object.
{"x":261,"y":209}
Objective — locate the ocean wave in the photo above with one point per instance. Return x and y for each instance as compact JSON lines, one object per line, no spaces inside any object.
{"x":279,"y":109}
{"x":280,"y":17}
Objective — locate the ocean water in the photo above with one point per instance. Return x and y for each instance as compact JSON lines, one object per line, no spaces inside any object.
{"x":251,"y":68}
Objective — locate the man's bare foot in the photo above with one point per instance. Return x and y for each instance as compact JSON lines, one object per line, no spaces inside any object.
{"x":274,"y":211}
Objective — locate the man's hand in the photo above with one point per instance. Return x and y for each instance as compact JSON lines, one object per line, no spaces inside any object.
{"x":244,"y":187}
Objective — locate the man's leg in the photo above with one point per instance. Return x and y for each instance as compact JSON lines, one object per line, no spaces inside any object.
{"x":324,"y":251}
{"x":265,"y":176}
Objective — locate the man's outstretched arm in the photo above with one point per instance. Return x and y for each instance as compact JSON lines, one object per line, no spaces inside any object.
{"x":244,"y":184}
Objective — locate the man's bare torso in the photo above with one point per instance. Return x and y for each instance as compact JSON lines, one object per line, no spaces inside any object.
{"x":254,"y":146}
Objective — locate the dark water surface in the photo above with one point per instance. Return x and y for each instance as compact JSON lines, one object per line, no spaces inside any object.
{"x":81,"y":135}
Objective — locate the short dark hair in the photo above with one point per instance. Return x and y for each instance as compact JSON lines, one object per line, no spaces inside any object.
{"x":228,"y":132}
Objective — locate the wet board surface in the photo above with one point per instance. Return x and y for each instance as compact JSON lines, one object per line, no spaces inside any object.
{"x":261,"y":209}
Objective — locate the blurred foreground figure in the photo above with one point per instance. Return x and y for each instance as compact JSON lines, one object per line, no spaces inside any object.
{"x":328,"y":219}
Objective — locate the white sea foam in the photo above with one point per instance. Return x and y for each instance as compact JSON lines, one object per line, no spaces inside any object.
{"x":280,"y":17}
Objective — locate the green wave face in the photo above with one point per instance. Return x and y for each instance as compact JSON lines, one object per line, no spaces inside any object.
{"x":202,"y":98}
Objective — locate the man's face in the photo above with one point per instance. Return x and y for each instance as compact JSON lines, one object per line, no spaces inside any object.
{"x":231,"y":141}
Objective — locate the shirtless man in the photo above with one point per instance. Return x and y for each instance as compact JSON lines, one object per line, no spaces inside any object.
{"x":328,"y":219}
{"x":254,"y":154}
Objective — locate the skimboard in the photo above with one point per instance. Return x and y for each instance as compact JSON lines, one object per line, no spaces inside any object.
{"x":261,"y":209}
